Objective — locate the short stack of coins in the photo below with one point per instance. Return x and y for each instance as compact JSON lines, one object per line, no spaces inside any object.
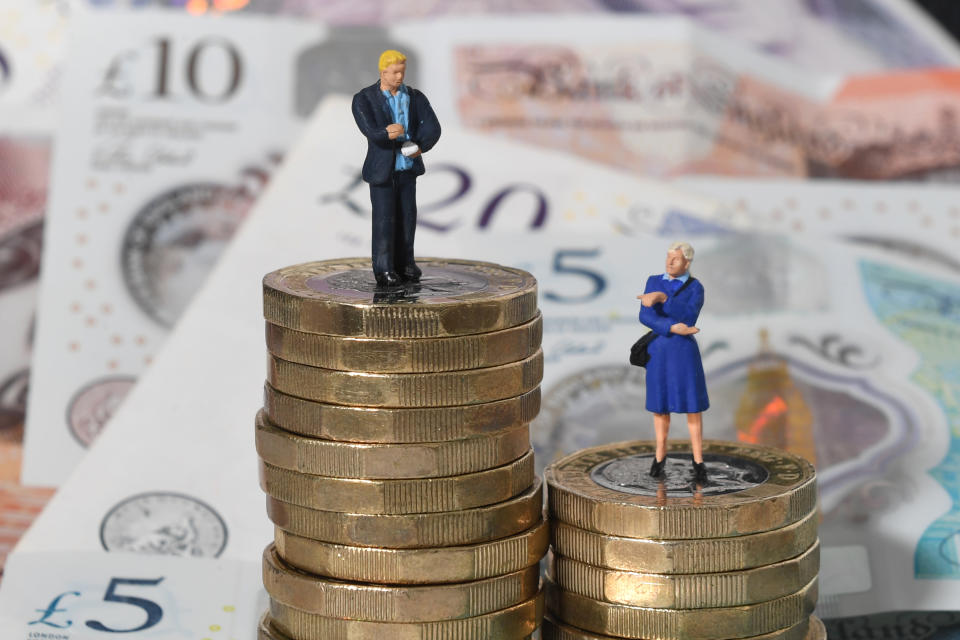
{"x":663,"y":558}
{"x":395,"y":453}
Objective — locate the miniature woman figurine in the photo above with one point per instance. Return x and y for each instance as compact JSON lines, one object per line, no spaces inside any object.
{"x":675,"y":379}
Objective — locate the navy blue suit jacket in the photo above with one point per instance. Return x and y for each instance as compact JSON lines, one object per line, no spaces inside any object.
{"x":370,"y":110}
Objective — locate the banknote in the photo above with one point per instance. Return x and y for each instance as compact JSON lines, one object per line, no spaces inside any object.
{"x":837,"y":35}
{"x":663,"y":97}
{"x":24,"y":163}
{"x":923,"y":228}
{"x":910,"y":625}
{"x":194,"y":492}
{"x":32,"y":42}
{"x":177,"y":122}
{"x":19,"y":505}
{"x":824,"y":35}
{"x":24,"y":167}
{"x":920,"y":224}
{"x":797,"y":353}
{"x":32,"y":39}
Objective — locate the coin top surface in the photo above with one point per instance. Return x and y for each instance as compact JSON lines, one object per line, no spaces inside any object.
{"x":453,"y":297}
{"x":630,"y":474}
{"x":751,"y":489}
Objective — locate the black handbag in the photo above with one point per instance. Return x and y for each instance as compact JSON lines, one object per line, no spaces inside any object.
{"x":639,"y":356}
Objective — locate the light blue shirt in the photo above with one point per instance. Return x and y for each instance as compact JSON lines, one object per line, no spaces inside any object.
{"x":398,"y":108}
{"x":682,"y":279}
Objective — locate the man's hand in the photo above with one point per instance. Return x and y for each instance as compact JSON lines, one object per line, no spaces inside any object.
{"x":683,"y":330}
{"x":650,"y":299}
{"x":394,"y":131}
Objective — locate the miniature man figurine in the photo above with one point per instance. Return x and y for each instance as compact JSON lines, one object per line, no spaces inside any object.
{"x":675,"y":380}
{"x":399,"y":125}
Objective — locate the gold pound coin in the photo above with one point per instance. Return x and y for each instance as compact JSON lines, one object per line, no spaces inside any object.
{"x":624,"y":621}
{"x":817,"y":629}
{"x":418,"y":495}
{"x":356,"y":601}
{"x":710,"y":555}
{"x":423,"y":355}
{"x":354,"y":460}
{"x":516,"y":621}
{"x":362,"y":424}
{"x":266,"y":631}
{"x":415,"y":566}
{"x":553,"y":630}
{"x":686,"y":591}
{"x":406,"y":389}
{"x":453,"y":298}
{"x":752,"y":488}
{"x":445,"y":529}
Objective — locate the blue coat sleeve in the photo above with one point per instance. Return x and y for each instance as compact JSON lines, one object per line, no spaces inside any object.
{"x":368,"y":124}
{"x":649,"y":316}
{"x":685,"y":308}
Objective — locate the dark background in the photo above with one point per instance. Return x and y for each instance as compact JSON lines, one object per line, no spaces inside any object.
{"x":946,"y":12}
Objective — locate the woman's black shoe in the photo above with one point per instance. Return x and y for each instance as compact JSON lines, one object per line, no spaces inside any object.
{"x":656,"y":469}
{"x":700,"y":473}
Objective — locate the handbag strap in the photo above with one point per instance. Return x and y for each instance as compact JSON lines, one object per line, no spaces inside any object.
{"x":684,"y":285}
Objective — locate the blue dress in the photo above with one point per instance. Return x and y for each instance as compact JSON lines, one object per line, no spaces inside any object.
{"x":675,"y":380}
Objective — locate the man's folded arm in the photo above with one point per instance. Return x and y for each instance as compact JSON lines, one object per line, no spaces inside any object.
{"x":368,"y":125}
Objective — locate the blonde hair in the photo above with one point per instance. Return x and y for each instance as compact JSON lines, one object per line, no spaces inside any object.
{"x":684,"y":248}
{"x":389,"y":57}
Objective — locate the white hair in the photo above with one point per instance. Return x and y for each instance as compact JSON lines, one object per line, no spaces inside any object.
{"x":684,"y":248}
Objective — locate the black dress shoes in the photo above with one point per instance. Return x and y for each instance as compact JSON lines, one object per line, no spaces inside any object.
{"x":387,"y":280}
{"x":412,"y":273}
{"x":700,"y":473}
{"x":656,"y":469}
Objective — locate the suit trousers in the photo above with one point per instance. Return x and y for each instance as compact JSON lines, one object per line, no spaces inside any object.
{"x":394,"y":222}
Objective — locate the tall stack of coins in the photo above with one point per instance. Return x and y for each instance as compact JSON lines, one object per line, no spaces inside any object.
{"x":395,"y":453}
{"x":634,"y":556}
